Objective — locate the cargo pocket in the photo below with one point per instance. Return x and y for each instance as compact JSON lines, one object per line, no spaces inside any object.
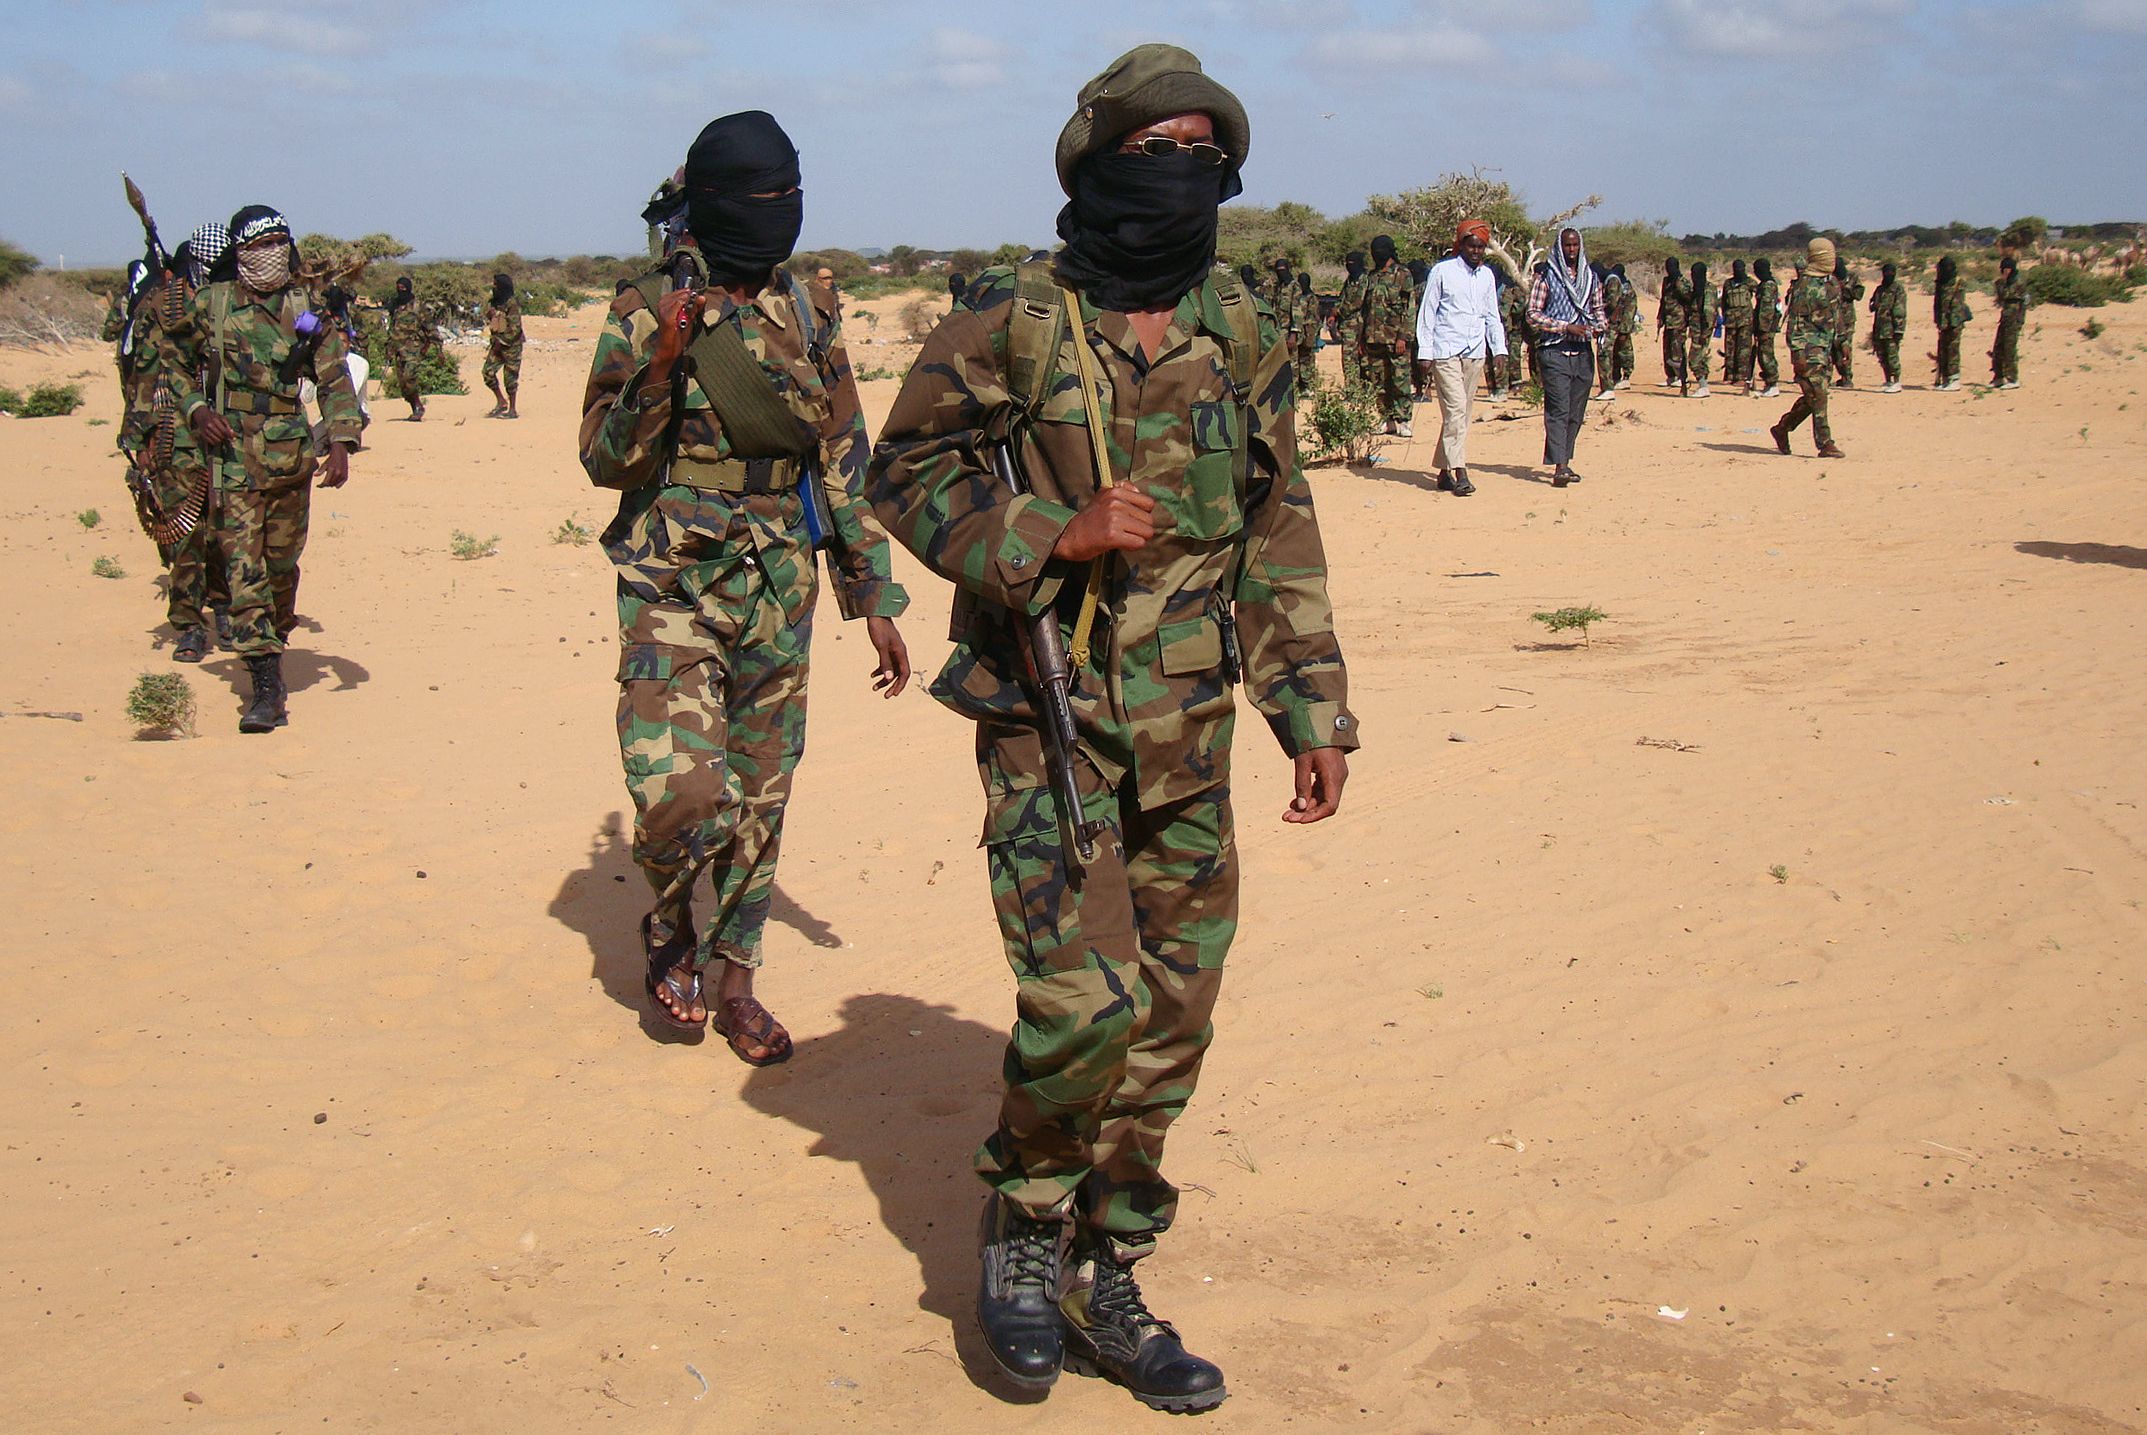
{"x":1205,"y":507}
{"x":1191,"y":659}
{"x":645,"y":672}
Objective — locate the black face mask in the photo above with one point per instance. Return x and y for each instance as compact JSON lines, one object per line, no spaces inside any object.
{"x":741,"y":237}
{"x":1140,"y":230}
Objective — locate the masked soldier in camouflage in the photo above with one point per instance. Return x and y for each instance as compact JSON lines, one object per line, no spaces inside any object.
{"x":503,"y":347}
{"x":1852,"y":290}
{"x":163,"y":448}
{"x":1766,"y":323}
{"x":1624,"y":302}
{"x":1699,"y":298}
{"x":411,"y":336}
{"x":1737,"y":304}
{"x":1389,"y":319}
{"x":2011,"y":294}
{"x":1169,"y":532}
{"x":1889,"y":322}
{"x":1349,"y":318}
{"x":1814,"y":308}
{"x":1308,"y":334}
{"x":1670,"y":312}
{"x":1949,"y":310}
{"x":235,"y":356}
{"x":721,"y":405}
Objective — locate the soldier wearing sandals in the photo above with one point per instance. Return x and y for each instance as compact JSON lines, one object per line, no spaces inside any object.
{"x":721,"y":405}
{"x":1098,"y":449}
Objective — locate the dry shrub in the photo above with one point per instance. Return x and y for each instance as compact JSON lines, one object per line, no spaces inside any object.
{"x":43,"y":311}
{"x":919,"y":316}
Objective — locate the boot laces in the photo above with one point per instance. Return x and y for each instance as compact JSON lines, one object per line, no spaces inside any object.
{"x":1031,"y":1251}
{"x":1118,"y":1296}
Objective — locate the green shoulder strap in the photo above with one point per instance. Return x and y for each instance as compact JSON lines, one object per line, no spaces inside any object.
{"x":755,"y":419}
{"x":1241,"y":352}
{"x":1033,"y":334}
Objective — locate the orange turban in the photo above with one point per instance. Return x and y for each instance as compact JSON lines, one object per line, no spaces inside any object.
{"x":1476,"y":227}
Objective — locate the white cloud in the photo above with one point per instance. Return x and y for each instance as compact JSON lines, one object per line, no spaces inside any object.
{"x":1406,"y":47}
{"x":1764,"y":29}
{"x":965,"y":60}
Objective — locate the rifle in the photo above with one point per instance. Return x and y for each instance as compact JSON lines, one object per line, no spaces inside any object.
{"x":1051,"y":675}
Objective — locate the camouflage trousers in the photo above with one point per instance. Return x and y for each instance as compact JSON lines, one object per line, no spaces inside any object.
{"x":260,"y":536}
{"x":1737,"y":353}
{"x":1352,"y":358}
{"x":406,"y":361}
{"x":1949,"y":355}
{"x":1117,"y":975}
{"x":1307,"y":366}
{"x":1673,"y":354}
{"x":1388,"y":375}
{"x":1765,"y":360}
{"x":711,"y":727}
{"x":2005,"y":353}
{"x":503,"y":361}
{"x":1700,"y":354}
{"x":1508,"y":374}
{"x":1813,"y":368}
{"x":1621,"y":358}
{"x":1844,"y":355}
{"x":195,"y":579}
{"x":1887,"y":348}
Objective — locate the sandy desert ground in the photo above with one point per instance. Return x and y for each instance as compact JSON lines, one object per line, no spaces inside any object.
{"x":1736,"y":1024}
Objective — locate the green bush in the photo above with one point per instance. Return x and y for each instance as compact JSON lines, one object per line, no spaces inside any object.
{"x":14,"y":263}
{"x":468,"y":546}
{"x":438,"y":372}
{"x":10,"y":400}
{"x":2075,"y":288}
{"x":162,"y":704}
{"x":1563,"y":619}
{"x":1343,"y":422}
{"x":572,"y":531}
{"x":46,"y":401}
{"x":105,"y":566}
{"x":89,"y":518}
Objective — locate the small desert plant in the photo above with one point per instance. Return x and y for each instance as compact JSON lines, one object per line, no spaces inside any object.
{"x":162,"y":703}
{"x":467,"y":546}
{"x":918,"y":318}
{"x":49,"y":401}
{"x":2092,"y":329}
{"x":1344,"y":421}
{"x":10,"y":400}
{"x":1778,"y":872}
{"x":1530,"y":394}
{"x":1560,"y":620}
{"x":572,"y":532}
{"x":89,"y":518}
{"x":106,"y":567}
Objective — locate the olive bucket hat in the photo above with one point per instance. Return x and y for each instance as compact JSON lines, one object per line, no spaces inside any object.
{"x":1146,"y":84}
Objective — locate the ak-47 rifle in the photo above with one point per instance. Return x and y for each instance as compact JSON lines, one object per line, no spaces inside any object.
{"x":1051,"y":676}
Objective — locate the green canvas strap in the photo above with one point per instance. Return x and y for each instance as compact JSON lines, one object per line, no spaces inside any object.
{"x":754,"y":417}
{"x":1034,"y":333}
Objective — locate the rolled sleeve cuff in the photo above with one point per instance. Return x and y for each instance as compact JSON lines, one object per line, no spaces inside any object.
{"x":1033,"y":526}
{"x":345,"y":432}
{"x":1301,"y":727}
{"x":871,"y":598}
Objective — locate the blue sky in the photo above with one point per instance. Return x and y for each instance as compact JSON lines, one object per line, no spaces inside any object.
{"x":471,"y":126}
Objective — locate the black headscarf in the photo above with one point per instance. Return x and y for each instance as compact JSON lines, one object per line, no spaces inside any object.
{"x":404,"y":293}
{"x":956,"y":283}
{"x":1763,"y":267}
{"x":2007,"y":265}
{"x":1353,"y":262}
{"x":1248,"y":276}
{"x":1419,"y":269}
{"x":1382,"y":250}
{"x":1947,"y":268}
{"x":733,"y":163}
{"x":1698,"y":278}
{"x":1736,"y":269}
{"x":1619,"y":270}
{"x":1670,"y":271}
{"x":1841,"y":268}
{"x":502,"y":288}
{"x":1304,"y":280}
{"x":1140,"y":229}
{"x":1887,"y":272}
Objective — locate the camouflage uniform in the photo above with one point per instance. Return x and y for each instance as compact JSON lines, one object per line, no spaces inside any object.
{"x":2011,"y":294}
{"x":1670,"y":313}
{"x":1766,"y":323}
{"x":1305,"y":319}
{"x":1624,"y":325}
{"x":1349,"y":324}
{"x":1737,"y":315}
{"x":1389,"y":323}
{"x":1950,"y":305}
{"x":1118,"y":971}
{"x":197,"y":580}
{"x":1889,"y":322}
{"x":1814,"y":309}
{"x":1845,"y":329}
{"x":716,"y":585}
{"x":248,"y":347}
{"x":1700,"y":331}
{"x":1513,"y":316}
{"x":411,"y":335}
{"x":503,"y":344}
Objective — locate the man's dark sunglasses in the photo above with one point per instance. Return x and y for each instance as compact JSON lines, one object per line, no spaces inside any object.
{"x":1160,"y":146}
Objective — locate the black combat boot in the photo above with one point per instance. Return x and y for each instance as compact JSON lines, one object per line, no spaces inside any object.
{"x":266,"y":712}
{"x":1109,"y":1332}
{"x":1017,"y":1304}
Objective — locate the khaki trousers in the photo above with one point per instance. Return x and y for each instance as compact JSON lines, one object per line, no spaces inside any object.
{"x":1455,"y":380}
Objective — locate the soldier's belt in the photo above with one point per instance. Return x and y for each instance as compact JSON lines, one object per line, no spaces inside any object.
{"x":266,"y":405}
{"x":739,"y":476}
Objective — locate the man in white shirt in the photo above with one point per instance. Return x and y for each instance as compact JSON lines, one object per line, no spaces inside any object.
{"x":1457,"y":328}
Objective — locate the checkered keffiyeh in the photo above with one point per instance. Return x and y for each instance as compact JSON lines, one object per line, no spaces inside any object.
{"x":207,"y":244}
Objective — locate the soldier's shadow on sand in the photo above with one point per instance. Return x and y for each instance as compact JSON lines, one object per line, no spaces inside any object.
{"x":605,"y":898}
{"x":903,"y":1090}
{"x":303,"y":670}
{"x":2115,"y":554}
{"x":1388,"y":473}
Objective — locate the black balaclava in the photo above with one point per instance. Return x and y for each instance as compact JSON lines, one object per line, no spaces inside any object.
{"x":1841,"y":268}
{"x":1419,"y":269}
{"x":1304,"y":280}
{"x":1763,"y":267}
{"x":1947,"y":268}
{"x":1382,"y":251}
{"x":1248,"y":276}
{"x":1698,"y":279}
{"x":502,"y":288}
{"x":404,"y":293}
{"x":1619,"y":270}
{"x":735,"y":159}
{"x":1669,"y":271}
{"x":956,"y":283}
{"x":2007,"y":265}
{"x":1736,"y":269}
{"x":1140,"y":228}
{"x":1887,"y":272}
{"x":1353,"y":262}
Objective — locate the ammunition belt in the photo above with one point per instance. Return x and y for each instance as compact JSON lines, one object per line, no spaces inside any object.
{"x":249,"y":402}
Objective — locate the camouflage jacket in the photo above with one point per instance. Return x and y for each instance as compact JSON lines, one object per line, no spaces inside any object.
{"x":143,"y":408}
{"x":2012,"y":297}
{"x":1949,"y":306}
{"x":1767,"y":306}
{"x":1389,"y":316}
{"x":1699,"y":307}
{"x":1738,"y":308}
{"x":1305,"y":318}
{"x":411,"y":326}
{"x":1349,"y":309}
{"x":1814,"y":308}
{"x":1851,"y":292}
{"x":115,"y":316}
{"x":1231,"y":570}
{"x":627,"y":443}
{"x":1670,"y":310}
{"x":1623,"y":304}
{"x":1889,"y":309}
{"x":503,"y":326}
{"x":1513,"y":314}
{"x":240,"y":353}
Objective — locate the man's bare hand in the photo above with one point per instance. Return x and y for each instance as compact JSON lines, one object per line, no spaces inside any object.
{"x":335,"y":469}
{"x":1117,"y":518}
{"x":1320,"y":775}
{"x":210,"y":428}
{"x":892,"y":675}
{"x":676,"y":315}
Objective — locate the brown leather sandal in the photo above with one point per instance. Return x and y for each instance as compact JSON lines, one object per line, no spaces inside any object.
{"x":662,"y":979}
{"x":743,"y":1022}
